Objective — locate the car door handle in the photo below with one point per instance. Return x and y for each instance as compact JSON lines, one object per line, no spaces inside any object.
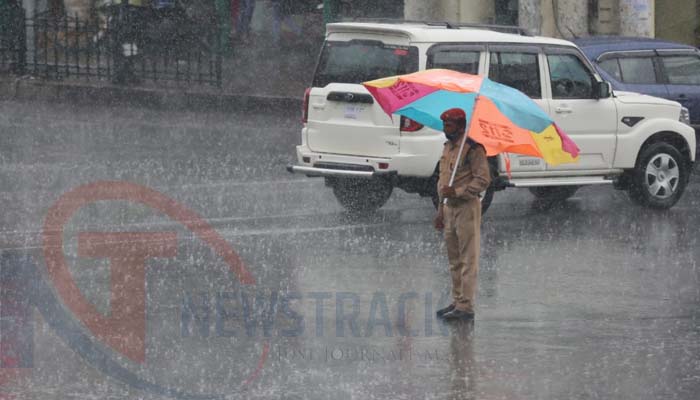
{"x":563,"y":110}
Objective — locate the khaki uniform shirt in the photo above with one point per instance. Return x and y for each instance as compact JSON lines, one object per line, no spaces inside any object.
{"x":473,"y":174}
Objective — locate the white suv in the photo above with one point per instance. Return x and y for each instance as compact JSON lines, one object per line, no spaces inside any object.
{"x":639,"y":143}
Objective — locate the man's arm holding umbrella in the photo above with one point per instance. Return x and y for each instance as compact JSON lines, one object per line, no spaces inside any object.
{"x":480,"y":177}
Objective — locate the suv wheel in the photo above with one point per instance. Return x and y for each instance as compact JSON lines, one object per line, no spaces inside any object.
{"x":660,"y":177}
{"x":362,"y":195}
{"x":553,"y":193}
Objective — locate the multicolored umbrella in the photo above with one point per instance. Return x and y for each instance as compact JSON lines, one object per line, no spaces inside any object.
{"x":499,"y":117}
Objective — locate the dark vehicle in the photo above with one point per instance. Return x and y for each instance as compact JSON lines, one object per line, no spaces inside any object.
{"x":649,"y":66}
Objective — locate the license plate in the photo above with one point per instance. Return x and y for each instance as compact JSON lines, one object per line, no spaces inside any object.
{"x":529,"y":162}
{"x":353,"y":111}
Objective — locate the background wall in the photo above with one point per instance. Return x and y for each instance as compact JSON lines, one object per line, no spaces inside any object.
{"x":675,"y":22}
{"x":476,"y":11}
{"x":670,"y":19}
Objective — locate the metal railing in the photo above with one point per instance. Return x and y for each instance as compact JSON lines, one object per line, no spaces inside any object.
{"x":121,"y":45}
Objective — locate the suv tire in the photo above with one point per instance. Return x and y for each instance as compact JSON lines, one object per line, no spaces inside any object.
{"x":362,"y":195}
{"x":660,"y":176}
{"x":553,"y":193}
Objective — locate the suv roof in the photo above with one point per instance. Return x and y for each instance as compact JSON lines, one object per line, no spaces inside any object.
{"x":596,"y":45}
{"x":434,"y":32}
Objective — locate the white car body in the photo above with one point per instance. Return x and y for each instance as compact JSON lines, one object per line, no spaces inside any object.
{"x":344,"y":138}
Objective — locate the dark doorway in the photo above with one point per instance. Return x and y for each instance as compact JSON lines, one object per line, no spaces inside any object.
{"x":507,"y":12}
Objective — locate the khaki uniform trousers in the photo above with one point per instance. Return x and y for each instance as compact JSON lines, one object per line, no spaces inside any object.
{"x":462,"y":221}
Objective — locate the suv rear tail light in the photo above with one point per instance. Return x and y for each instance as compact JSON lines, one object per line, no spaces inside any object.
{"x":409,"y":125}
{"x":305,"y":109}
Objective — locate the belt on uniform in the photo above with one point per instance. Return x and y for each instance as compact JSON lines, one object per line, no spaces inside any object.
{"x":460,"y":202}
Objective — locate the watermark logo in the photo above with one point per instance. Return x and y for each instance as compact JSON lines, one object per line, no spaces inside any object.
{"x":123,"y":330}
{"x":117,"y":342}
{"x":296,"y":314}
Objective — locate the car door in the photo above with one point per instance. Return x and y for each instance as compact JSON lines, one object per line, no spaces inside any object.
{"x":681,"y":71}
{"x":590,"y":122}
{"x":519,"y":67}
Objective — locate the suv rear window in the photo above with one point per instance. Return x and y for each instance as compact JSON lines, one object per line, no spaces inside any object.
{"x":359,"y":61}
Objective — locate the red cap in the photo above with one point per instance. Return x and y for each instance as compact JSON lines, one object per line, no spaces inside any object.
{"x":454,"y":114}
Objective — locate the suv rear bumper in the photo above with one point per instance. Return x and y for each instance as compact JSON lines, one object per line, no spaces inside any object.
{"x":333,"y":172}
{"x":312,"y":163}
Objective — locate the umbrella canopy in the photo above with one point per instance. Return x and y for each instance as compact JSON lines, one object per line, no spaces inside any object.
{"x":499,"y":117}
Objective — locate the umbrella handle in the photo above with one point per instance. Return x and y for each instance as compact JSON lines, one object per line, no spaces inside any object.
{"x":461,"y":146}
{"x":459,"y":155}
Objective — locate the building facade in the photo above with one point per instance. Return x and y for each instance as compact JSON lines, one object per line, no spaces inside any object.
{"x":677,"y":20}
{"x":558,"y":18}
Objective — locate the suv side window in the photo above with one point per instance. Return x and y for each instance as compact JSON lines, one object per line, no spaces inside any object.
{"x":518,"y":70}
{"x":456,"y":56}
{"x":569,"y":77}
{"x":637,"y":70}
{"x":462,"y":61}
{"x":682,"y":70}
{"x":612,"y":66}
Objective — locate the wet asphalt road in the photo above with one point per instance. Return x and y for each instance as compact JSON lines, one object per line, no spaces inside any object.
{"x":592,"y":299}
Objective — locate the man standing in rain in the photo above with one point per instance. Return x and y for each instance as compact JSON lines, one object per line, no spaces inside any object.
{"x":460,"y":215}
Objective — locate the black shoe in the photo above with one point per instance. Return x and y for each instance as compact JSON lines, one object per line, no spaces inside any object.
{"x":441,"y":312}
{"x":458,"y":314}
